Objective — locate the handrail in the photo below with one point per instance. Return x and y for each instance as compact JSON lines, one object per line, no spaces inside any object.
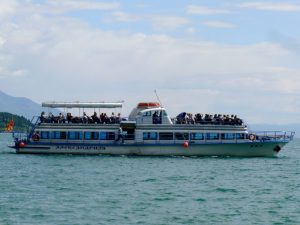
{"x":33,"y":125}
{"x":273,"y":135}
{"x":208,"y":122}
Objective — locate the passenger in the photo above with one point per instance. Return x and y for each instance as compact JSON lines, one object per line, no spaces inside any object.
{"x":102,"y":117}
{"x":155,"y":118}
{"x":106,"y":119}
{"x":120,"y":135}
{"x":159,"y":117}
{"x":50,"y":118}
{"x":43,"y":118}
{"x":85,"y":118}
{"x":198,"y":118}
{"x":113,"y":118}
{"x":61,"y":118}
{"x":118,"y":118}
{"x":190,"y":119}
{"x":69,"y":117}
{"x":180,"y":118}
{"x":95,"y":118}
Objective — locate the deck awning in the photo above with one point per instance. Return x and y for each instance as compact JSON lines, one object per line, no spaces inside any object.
{"x":82,"y":104}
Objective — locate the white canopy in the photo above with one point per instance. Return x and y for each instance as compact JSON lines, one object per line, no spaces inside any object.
{"x":82,"y":104}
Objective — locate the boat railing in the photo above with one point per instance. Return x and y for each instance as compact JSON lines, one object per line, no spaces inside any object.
{"x":25,"y":135}
{"x":19,"y":136}
{"x":207,"y":122}
{"x":80,"y":120}
{"x":255,"y":137}
{"x":263,"y":136}
{"x":34,"y":122}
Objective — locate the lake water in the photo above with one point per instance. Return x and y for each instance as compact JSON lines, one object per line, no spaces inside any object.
{"x":66,"y":189}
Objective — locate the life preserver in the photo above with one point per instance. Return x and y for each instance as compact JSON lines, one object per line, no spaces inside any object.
{"x":185,"y":144}
{"x":21,"y":144}
{"x":35,"y":137}
{"x":252,"y":137}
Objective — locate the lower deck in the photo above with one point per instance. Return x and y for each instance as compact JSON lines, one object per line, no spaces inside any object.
{"x":151,"y":140}
{"x":245,"y":149}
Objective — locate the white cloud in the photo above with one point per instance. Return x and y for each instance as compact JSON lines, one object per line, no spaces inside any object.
{"x":202,"y":10}
{"x":62,"y":58}
{"x":191,"y":30}
{"x":168,"y":22}
{"x":284,"y":7}
{"x":71,"y":5}
{"x":7,"y":7}
{"x":124,"y":17}
{"x":2,"y":41}
{"x":19,"y":73}
{"x":218,"y":24}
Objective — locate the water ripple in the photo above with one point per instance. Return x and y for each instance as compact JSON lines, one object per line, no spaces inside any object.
{"x":66,"y":189}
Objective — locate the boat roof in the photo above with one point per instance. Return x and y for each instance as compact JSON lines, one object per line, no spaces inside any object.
{"x":82,"y":104}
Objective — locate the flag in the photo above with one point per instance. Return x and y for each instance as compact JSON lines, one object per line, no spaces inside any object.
{"x":10,"y":126}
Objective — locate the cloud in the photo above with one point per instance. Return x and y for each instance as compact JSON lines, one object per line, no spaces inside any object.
{"x":2,"y":41}
{"x":71,"y":5}
{"x":202,"y":10}
{"x":7,"y":7}
{"x":62,"y":58}
{"x":168,"y":22}
{"x":286,"y":41}
{"x":283,"y":7}
{"x":218,"y":24}
{"x":124,"y":17}
{"x":191,"y":30}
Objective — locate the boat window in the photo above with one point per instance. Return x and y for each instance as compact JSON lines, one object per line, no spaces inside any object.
{"x":107,"y":136}
{"x":181,"y":136}
{"x":87,"y":135}
{"x":63,"y":135}
{"x":111,"y":136}
{"x":95,"y":136}
{"x":240,"y":136}
{"x":75,"y":135}
{"x":44,"y":135}
{"x":150,"y":136}
{"x":91,"y":135}
{"x":148,"y":113}
{"x":228,"y":136}
{"x":164,"y":113}
{"x":197,"y":136}
{"x":165,"y":136}
{"x":55,"y":135}
{"x":212,"y":136}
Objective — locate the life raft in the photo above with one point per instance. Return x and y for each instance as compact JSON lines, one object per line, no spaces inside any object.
{"x":252,"y":137}
{"x":35,"y":137}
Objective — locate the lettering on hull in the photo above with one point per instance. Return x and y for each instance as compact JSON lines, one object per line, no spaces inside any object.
{"x":81,"y":147}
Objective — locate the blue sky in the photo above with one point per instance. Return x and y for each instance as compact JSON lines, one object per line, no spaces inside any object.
{"x":201,"y":56}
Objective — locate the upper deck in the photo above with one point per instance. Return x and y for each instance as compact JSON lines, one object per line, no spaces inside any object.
{"x":149,"y":115}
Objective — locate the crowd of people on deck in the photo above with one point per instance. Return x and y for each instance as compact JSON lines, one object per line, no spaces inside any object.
{"x":61,"y":118}
{"x":217,"y":119}
{"x":182,"y":118}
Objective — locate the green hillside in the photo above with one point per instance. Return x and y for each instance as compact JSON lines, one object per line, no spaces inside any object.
{"x":21,"y":123}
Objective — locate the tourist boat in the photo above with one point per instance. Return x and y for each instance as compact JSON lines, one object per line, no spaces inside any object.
{"x":148,"y":131}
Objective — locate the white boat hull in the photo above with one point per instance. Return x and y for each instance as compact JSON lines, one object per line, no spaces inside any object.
{"x":247,"y":149}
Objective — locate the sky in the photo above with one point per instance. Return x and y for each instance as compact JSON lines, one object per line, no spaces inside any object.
{"x":207,"y":56}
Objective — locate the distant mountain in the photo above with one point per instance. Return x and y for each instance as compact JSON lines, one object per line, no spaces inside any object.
{"x":20,"y":106}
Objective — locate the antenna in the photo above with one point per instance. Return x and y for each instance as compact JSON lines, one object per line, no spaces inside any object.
{"x":157,"y":98}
